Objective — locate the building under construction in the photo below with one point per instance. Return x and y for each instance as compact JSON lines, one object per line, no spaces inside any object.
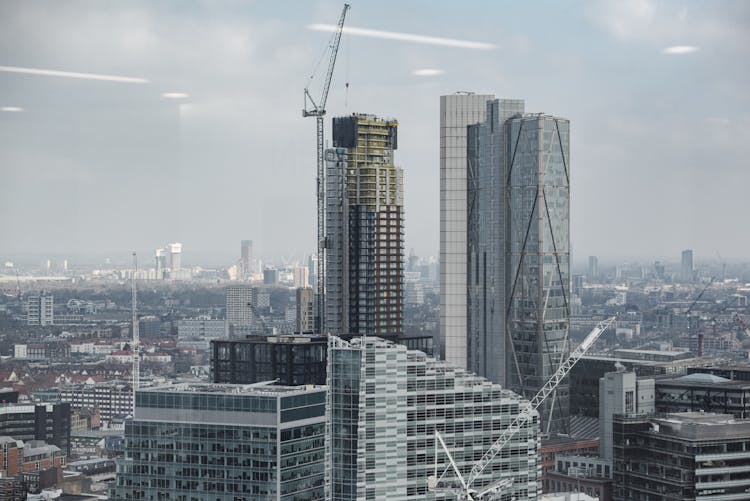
{"x":364,"y":229}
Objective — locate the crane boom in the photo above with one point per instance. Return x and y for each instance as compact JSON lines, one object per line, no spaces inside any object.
{"x":550,"y":386}
{"x":318,"y":110}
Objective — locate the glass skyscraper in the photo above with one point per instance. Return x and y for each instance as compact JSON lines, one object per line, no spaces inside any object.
{"x":219,"y":442}
{"x":385,"y":403}
{"x":519,"y":251}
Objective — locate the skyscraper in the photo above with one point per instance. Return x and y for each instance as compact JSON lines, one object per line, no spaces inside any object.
{"x":385,"y":403}
{"x":246,"y":259}
{"x":40,"y":309}
{"x":518,"y":245}
{"x":686,"y":271}
{"x":364,"y":229}
{"x":487,"y":239}
{"x":593,"y":268}
{"x":456,"y":112}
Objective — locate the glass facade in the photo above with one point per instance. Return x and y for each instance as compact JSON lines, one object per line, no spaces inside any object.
{"x":293,"y":360}
{"x":224,"y":442}
{"x":385,"y":404}
{"x":487,"y":240}
{"x":457,"y":111}
{"x":539,"y":258}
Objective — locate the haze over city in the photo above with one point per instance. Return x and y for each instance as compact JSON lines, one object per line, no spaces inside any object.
{"x":656,"y":94}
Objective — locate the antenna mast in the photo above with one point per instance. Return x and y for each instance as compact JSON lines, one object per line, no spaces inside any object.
{"x":135,"y":348}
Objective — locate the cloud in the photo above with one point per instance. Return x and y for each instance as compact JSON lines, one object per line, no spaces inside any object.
{"x":680,"y":49}
{"x":405,"y":37}
{"x":71,"y":74}
{"x":427,"y":72}
{"x":175,"y":95}
{"x":12,"y":109}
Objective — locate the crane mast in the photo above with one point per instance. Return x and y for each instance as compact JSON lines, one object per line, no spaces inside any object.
{"x":136,"y":348}
{"x":318,"y":110}
{"x":465,"y":491}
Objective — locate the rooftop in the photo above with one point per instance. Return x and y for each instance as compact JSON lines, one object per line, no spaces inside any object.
{"x":264,"y":388}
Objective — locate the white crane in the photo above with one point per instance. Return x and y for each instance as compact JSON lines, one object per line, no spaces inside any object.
{"x":318,"y":110}
{"x":136,"y":347}
{"x":464,"y":491}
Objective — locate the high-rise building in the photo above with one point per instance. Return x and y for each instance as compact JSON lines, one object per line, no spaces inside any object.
{"x":224,"y":442}
{"x":621,"y":393}
{"x":683,"y":456}
{"x":385,"y":404}
{"x":162,"y":266}
{"x":487,"y":240}
{"x":457,"y":111}
{"x":290,"y":360}
{"x":40,"y":309}
{"x":175,"y":257}
{"x":686,"y":270}
{"x":301,"y":277}
{"x":240,"y":315}
{"x":518,"y":251}
{"x":364,"y":229}
{"x":246,"y":259}
{"x":305,"y":317}
{"x":270,"y":276}
{"x":593,"y":275}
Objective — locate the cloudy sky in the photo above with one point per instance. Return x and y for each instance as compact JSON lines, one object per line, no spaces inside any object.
{"x":658,"y":95}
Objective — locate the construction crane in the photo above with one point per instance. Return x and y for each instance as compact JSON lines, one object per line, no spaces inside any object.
{"x":464,"y":491}
{"x":318,"y":110}
{"x":136,"y":347}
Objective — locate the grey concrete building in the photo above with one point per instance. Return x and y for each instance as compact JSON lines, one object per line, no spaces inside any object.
{"x":457,"y":111}
{"x":621,"y":393}
{"x":681,"y":457}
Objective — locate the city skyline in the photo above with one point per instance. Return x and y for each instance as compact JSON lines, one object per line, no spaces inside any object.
{"x":199,"y":161}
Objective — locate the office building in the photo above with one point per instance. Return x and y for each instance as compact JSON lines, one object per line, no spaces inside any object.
{"x":681,"y":457}
{"x":301,"y":277}
{"x":270,"y":276}
{"x":175,"y":257}
{"x":686,"y":269}
{"x":364,"y":229}
{"x":49,"y":422}
{"x":703,"y":393}
{"x":518,"y":254}
{"x":385,"y":404}
{"x":305,"y":311}
{"x":113,"y":399}
{"x":593,"y":275}
{"x":246,"y":259}
{"x":292,"y":360}
{"x":161,"y":262}
{"x":40,"y":309}
{"x":457,"y":111}
{"x":224,"y":442}
{"x":240,"y":310}
{"x":199,"y":331}
{"x":488,"y":249}
{"x":621,"y":393}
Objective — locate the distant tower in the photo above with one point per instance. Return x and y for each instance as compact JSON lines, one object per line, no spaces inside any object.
{"x":364,"y":229}
{"x":160,"y":257}
{"x":175,"y":257}
{"x":593,"y":269}
{"x":686,"y":272}
{"x":40,"y":310}
{"x":246,"y":259}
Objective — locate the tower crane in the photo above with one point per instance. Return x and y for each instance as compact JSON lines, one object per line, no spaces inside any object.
{"x":136,"y":348}
{"x":463,"y":490}
{"x":318,"y":110}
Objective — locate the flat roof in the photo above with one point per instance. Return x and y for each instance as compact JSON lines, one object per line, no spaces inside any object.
{"x":263,"y":388}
